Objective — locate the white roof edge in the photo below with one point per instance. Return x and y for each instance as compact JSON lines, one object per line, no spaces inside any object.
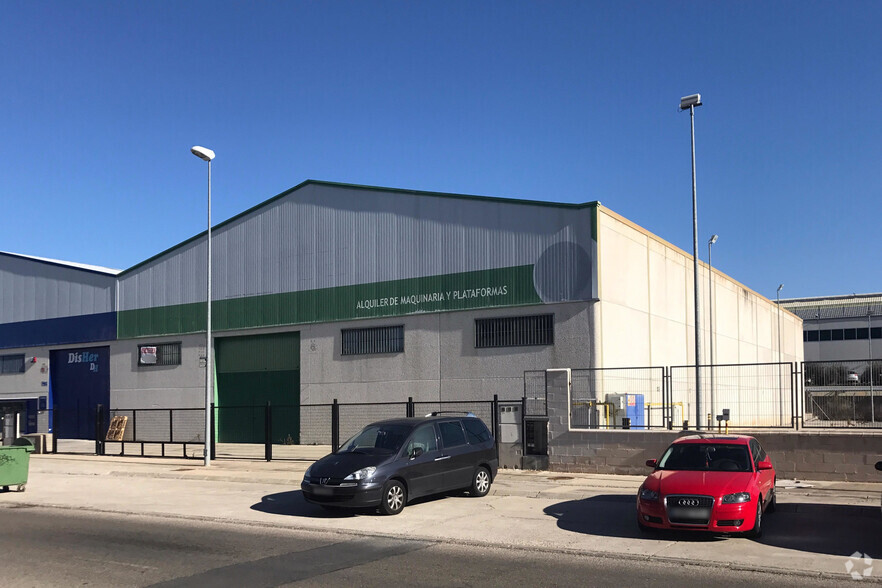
{"x":72,"y":264}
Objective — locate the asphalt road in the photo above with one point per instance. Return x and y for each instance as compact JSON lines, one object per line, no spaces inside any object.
{"x":59,"y":547}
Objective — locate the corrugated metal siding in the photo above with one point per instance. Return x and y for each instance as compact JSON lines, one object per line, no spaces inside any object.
{"x":835,"y":308}
{"x":326,"y":236}
{"x":59,"y":331}
{"x":31,"y":290}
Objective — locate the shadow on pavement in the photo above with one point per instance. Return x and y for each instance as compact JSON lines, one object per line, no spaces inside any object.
{"x":832,"y":529}
{"x":293,"y":504}
{"x":611,"y":515}
{"x":816,"y":528}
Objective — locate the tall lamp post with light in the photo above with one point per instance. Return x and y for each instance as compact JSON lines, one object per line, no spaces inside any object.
{"x":207,"y":155}
{"x":710,"y":313}
{"x":689,"y":103}
{"x":780,"y":387}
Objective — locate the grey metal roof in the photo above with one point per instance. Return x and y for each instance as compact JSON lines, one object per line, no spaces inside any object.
{"x":835,"y":307}
{"x":71,"y":264}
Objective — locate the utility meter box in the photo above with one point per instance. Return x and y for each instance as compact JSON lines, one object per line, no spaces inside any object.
{"x":510,"y":440}
{"x":630,"y":406}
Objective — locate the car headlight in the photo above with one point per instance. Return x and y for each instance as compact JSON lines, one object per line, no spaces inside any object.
{"x":736,"y":498}
{"x":362,"y":474}
{"x":648,"y":495}
{"x":308,"y":472}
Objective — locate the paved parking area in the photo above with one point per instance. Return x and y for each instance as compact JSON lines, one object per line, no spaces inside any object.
{"x":818,"y":526}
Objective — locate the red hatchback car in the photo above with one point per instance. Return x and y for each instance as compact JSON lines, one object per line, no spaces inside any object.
{"x":717,"y":483}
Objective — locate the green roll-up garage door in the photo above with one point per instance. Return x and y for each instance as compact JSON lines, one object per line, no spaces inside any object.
{"x":252,"y":371}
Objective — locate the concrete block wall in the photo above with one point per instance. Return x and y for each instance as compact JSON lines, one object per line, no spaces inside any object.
{"x":801,"y":455}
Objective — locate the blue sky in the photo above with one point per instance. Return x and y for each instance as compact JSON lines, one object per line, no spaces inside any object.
{"x":558,"y":101}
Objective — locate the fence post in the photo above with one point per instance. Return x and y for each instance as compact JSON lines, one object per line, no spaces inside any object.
{"x":211,"y":442}
{"x":670,"y":398}
{"x":268,"y":430}
{"x":494,"y":421}
{"x":411,"y":410}
{"x":523,"y":425}
{"x":99,"y":425}
{"x":793,"y":407}
{"x":335,"y":426}
{"x":171,"y":425}
{"x":54,"y":428}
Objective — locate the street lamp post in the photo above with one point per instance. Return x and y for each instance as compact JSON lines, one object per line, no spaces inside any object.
{"x":780,"y":387}
{"x":689,"y":103}
{"x":870,"y":350}
{"x":710,"y":296}
{"x":207,"y":155}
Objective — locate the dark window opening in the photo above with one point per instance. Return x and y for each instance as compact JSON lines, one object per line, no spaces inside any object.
{"x":373,"y":340}
{"x":159,"y":354}
{"x":12,"y":364}
{"x":514,"y":331}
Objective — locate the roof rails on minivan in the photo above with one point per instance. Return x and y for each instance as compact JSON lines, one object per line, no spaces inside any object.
{"x":442,"y":412}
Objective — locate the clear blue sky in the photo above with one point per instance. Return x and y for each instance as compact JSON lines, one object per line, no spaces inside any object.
{"x":560,"y":101}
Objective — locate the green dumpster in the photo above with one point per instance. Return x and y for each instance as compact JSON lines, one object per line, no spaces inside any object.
{"x":14,"y":461}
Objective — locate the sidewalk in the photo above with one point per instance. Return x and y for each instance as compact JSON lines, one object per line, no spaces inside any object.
{"x":817,"y":527}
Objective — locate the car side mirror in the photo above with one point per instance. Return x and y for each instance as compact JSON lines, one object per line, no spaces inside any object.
{"x":653,"y":463}
{"x":764,"y":465}
{"x":879,"y":465}
{"x":416,"y":452}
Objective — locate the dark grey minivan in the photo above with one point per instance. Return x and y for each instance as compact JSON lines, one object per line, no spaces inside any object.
{"x":391,"y":462}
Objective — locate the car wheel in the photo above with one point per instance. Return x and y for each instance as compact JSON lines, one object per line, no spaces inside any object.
{"x":480,"y":482}
{"x":394,"y":498}
{"x":757,"y":530}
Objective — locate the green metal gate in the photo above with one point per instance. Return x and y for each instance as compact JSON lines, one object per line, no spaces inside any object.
{"x":252,"y":371}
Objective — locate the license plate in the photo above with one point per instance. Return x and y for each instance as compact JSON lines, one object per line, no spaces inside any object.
{"x":697,"y":515}
{"x":322,"y":491}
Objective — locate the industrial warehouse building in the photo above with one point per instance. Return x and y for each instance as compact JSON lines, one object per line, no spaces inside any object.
{"x":362,"y":294}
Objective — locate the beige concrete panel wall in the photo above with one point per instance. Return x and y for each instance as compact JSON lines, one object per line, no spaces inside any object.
{"x":622,"y":259}
{"x":668,"y":288}
{"x":650,"y":293}
{"x":726,"y":320}
{"x":668,"y":340}
{"x":626,"y":336}
{"x":178,"y":386}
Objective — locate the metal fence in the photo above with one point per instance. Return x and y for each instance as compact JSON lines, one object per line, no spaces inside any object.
{"x":762,"y":395}
{"x":842,"y":394}
{"x":615,"y":398}
{"x":756,"y":395}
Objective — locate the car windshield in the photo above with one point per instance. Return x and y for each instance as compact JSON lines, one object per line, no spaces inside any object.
{"x":719,"y":457}
{"x":377,"y":439}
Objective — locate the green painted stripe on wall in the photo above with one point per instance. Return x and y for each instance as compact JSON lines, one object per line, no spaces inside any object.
{"x":512,"y":286}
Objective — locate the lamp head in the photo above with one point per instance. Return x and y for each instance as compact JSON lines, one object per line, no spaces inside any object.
{"x":202,"y":153}
{"x":713,"y":240}
{"x":780,"y":287}
{"x":686,"y":102}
